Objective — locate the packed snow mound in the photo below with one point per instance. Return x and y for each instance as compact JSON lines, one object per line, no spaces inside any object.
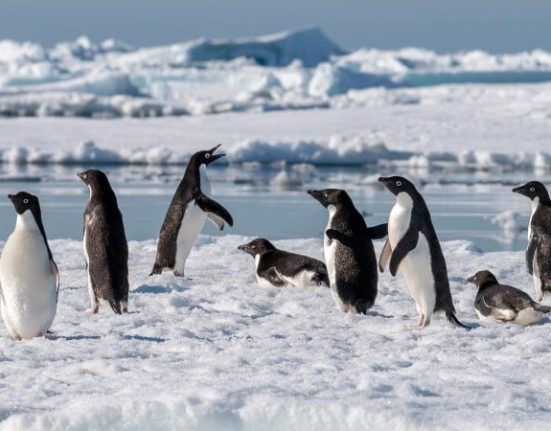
{"x":216,"y":351}
{"x":292,"y":70}
{"x":338,"y":150}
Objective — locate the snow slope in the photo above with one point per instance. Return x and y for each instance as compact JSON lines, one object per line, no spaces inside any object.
{"x":217,"y":352}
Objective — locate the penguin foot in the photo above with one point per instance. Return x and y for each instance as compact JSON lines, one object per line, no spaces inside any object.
{"x":178,"y":273}
{"x":93,"y":310}
{"x":423,"y":322}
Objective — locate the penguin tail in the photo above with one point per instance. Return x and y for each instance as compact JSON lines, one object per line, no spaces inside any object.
{"x":157,"y":269}
{"x":452,"y":318}
{"x":542,"y":308}
{"x":116,"y":306}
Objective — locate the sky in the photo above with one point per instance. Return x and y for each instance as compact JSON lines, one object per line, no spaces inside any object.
{"x":442,"y":25}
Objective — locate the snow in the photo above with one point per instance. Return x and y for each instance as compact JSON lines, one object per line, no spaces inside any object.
{"x":510,"y":131}
{"x":292,"y":70}
{"x":216,"y":351}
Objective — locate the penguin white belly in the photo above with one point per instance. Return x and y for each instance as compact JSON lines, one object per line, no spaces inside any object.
{"x":28,"y":284}
{"x":537,"y":280}
{"x":330,"y":252}
{"x":416,"y":266}
{"x":302,"y":279}
{"x":528,"y":316}
{"x":192,"y":223}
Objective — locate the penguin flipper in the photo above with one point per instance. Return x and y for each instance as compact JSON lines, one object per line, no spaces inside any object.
{"x":386,"y":252}
{"x":530,"y":251}
{"x":378,"y":232}
{"x":215,"y":212}
{"x":55,"y":270}
{"x":406,"y":244}
{"x":272,"y":276}
{"x":341,"y":237}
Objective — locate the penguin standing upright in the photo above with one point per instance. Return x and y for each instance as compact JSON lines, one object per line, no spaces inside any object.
{"x":29,"y":278}
{"x":413,"y":247}
{"x":280,"y":268}
{"x":538,"y":252}
{"x":349,"y":253}
{"x":501,"y":303}
{"x":105,"y":246}
{"x":187,"y":213}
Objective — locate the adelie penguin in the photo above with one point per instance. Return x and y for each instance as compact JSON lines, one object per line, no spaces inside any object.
{"x":349,"y":253}
{"x":105,"y":246}
{"x":29,"y":278}
{"x":187,"y":213}
{"x":280,"y":268}
{"x":413,"y":248}
{"x":538,"y":252}
{"x":501,"y":303}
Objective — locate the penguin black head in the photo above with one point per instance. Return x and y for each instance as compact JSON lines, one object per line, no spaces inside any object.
{"x":328,"y":197}
{"x":93,"y":178}
{"x":256,"y":246}
{"x":533,"y":190}
{"x":483,"y":277}
{"x":397,"y":185}
{"x":24,"y":201}
{"x":206,"y":157}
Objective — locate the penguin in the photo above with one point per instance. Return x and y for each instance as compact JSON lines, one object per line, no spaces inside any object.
{"x":187,"y":213}
{"x":280,"y":268}
{"x":500,"y":303}
{"x":105,"y":246}
{"x":29,"y":278}
{"x":538,"y":251}
{"x":349,"y":253}
{"x":413,"y":247}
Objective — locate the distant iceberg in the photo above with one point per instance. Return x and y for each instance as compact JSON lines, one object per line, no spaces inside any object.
{"x":300,"y":69}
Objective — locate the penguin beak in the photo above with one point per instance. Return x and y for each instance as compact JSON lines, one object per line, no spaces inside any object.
{"x":472,"y":279}
{"x":214,"y":157}
{"x":383,"y":179}
{"x":316,"y":194}
{"x":10,"y":197}
{"x":517,"y":190}
{"x":81,"y":175}
{"x":242,"y":247}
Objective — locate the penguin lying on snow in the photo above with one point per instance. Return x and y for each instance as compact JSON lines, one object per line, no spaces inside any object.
{"x":349,"y":253}
{"x":105,"y":246}
{"x":281,"y":269}
{"x":500,"y":303}
{"x":29,"y":278}
{"x":187,"y":213}
{"x":413,"y":247}
{"x":538,"y":252}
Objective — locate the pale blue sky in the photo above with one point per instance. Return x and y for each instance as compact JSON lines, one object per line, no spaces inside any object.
{"x":443,"y":25}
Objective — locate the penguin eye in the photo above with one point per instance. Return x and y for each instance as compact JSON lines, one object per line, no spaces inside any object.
{"x":207,"y":156}
{"x":25,"y":201}
{"x":532,"y":189}
{"x":253,"y":246}
{"x":326,"y":195}
{"x":399,"y":183}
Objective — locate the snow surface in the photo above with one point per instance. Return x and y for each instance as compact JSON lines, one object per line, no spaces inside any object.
{"x":218,"y":352}
{"x":287,"y":71}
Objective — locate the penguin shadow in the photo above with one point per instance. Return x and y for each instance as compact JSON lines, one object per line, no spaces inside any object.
{"x":156,"y":289}
{"x":144,"y":338}
{"x":55,"y":337}
{"x":373,"y":313}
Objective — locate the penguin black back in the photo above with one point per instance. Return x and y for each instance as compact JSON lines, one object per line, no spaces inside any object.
{"x":188,"y":191}
{"x":105,"y":243}
{"x":350,"y":255}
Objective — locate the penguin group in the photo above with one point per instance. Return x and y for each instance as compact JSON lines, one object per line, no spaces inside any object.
{"x":30,"y":281}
